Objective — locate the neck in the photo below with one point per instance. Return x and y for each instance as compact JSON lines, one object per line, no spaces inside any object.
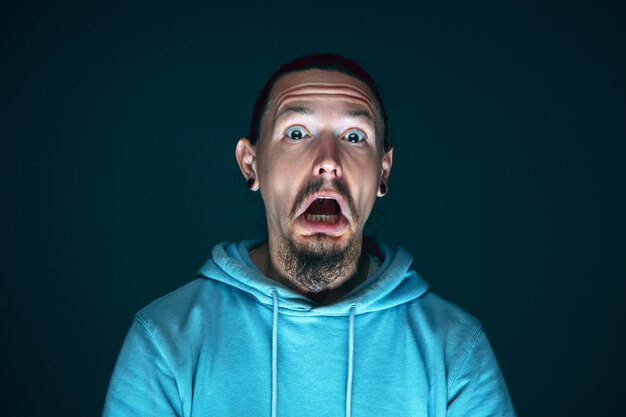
{"x":268,"y":260}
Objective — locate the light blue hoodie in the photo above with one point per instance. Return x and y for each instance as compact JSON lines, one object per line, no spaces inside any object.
{"x":235,"y":343}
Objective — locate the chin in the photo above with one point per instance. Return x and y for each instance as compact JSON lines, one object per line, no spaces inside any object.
{"x":316,"y":261}
{"x":321,"y":242}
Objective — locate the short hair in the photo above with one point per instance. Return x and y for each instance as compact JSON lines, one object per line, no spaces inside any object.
{"x":325,"y":62}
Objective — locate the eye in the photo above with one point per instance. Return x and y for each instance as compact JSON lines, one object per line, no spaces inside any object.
{"x":354,"y":136}
{"x":296,"y":133}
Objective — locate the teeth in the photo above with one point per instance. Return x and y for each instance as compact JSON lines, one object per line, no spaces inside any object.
{"x":331,"y":218}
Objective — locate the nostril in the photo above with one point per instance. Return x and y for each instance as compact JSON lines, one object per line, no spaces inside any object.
{"x":328,"y":166}
{"x":332,"y":171}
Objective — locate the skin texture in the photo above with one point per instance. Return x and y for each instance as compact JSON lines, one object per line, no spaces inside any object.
{"x":311,"y":134}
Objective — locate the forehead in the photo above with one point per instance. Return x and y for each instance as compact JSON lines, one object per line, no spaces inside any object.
{"x":320,"y":85}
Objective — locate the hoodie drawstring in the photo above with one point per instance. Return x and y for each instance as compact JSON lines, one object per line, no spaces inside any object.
{"x":275,"y":353}
{"x":275,"y":357}
{"x":350,"y":363}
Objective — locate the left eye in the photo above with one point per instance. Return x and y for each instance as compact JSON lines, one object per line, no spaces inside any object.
{"x":354,"y":136}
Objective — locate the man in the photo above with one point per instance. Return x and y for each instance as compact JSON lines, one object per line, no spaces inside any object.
{"x":316,"y":320}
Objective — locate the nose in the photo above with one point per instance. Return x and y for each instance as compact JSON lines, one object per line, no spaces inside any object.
{"x":327,"y":161}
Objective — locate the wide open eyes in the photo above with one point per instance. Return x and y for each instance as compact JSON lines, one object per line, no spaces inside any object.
{"x":354,"y":136}
{"x":296,"y":133}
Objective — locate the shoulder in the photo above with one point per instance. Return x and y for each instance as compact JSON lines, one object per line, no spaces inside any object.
{"x":443,"y":313}
{"x":179,"y":323}
{"x":447,"y":325}
{"x":176,"y":302}
{"x":181,"y":310}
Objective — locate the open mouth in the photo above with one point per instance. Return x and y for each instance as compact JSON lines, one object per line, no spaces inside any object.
{"x":323,"y":210}
{"x":324,"y":213}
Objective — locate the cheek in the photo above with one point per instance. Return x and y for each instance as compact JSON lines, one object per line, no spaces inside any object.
{"x":280,"y":166}
{"x":367,"y":175}
{"x":366,"y":171}
{"x":277,"y":175}
{"x":279,"y":181}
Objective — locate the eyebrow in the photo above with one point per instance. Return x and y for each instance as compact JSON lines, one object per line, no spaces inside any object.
{"x":305,"y":110}
{"x":360,"y":113}
{"x":293,"y":109}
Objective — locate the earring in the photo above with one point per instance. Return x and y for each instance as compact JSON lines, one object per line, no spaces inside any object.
{"x":250,"y":183}
{"x":383,"y":189}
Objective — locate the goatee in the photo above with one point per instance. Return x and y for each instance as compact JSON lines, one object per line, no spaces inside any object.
{"x":316,"y":266}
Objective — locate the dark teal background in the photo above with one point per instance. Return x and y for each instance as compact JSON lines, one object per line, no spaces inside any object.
{"x":119,"y":125}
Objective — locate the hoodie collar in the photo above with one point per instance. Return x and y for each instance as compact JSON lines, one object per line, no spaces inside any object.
{"x":392,"y":284}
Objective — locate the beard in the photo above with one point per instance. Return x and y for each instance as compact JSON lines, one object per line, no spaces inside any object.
{"x":317,"y":265}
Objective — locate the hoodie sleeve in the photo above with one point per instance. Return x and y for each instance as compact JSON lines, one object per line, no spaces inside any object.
{"x":142,"y":383}
{"x":478,"y":388}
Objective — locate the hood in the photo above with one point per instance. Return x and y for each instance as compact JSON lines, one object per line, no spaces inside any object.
{"x":392,"y":284}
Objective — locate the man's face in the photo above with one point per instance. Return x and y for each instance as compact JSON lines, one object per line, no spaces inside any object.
{"x":320,"y":161}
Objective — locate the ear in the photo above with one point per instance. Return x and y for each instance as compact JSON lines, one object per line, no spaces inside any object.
{"x":246,"y":158}
{"x":386,"y":168}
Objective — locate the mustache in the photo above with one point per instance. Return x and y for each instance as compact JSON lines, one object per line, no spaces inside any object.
{"x":315,"y":186}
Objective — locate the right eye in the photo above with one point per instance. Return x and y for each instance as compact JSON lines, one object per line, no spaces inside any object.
{"x":296,"y":133}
